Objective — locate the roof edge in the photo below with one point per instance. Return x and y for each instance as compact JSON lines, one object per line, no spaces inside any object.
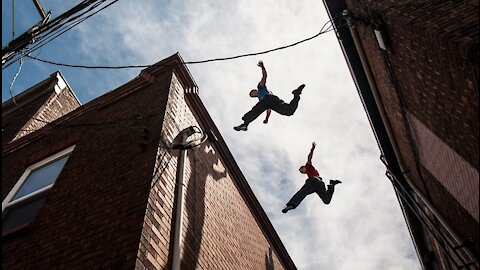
{"x":32,"y":93}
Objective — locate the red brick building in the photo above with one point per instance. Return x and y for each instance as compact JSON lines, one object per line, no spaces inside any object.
{"x":95,"y":187}
{"x":415,"y":65}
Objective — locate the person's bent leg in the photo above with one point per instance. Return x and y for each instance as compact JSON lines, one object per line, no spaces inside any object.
{"x":306,"y":189}
{"x":326,"y":196}
{"x":258,"y":109}
{"x":287,"y":109}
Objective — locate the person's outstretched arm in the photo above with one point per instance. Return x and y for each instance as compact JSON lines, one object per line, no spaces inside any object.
{"x":309,"y":161}
{"x":263,"y":81}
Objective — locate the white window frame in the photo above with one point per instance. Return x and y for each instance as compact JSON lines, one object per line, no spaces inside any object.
{"x":7,"y":203}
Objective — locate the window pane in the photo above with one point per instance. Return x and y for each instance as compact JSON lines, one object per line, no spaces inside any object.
{"x":21,"y":214}
{"x":41,"y":178}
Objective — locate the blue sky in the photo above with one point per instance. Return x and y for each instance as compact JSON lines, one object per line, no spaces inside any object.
{"x":363,"y":227}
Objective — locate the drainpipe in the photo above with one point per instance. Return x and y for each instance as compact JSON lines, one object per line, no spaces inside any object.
{"x":346,"y":14}
{"x":180,"y":142}
{"x":179,"y":211}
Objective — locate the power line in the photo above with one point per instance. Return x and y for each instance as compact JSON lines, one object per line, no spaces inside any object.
{"x":13,"y":97}
{"x":62,"y":23}
{"x":42,"y":32}
{"x":322,"y":31}
{"x":13,"y":82}
{"x":131,"y":125}
{"x":120,"y":122}
{"x":72,"y":25}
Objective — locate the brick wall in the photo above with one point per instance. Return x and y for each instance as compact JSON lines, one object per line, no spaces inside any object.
{"x":435,"y":81}
{"x":36,"y":114}
{"x":459,"y":177}
{"x":93,"y":215}
{"x":429,"y":43}
{"x":56,"y":106}
{"x":13,"y":122}
{"x":219,"y":230}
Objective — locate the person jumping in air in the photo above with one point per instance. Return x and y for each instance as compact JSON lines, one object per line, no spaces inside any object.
{"x":268,"y":101}
{"x":313,"y":184}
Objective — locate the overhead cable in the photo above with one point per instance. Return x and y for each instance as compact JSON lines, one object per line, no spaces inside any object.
{"x":322,"y":31}
{"x":42,"y":33}
{"x":13,"y":82}
{"x":72,"y":25}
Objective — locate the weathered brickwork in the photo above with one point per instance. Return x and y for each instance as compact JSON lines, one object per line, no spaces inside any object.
{"x":13,"y":122}
{"x":459,"y":177}
{"x":219,"y":231}
{"x":428,"y":85}
{"x":27,"y":117}
{"x":453,"y":213}
{"x":55,"y":107}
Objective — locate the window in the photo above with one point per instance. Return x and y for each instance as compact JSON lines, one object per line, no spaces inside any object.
{"x":27,"y":196}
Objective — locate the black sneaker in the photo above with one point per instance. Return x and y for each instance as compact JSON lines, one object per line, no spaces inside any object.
{"x":285,"y":210}
{"x":335,"y":182}
{"x":298,"y":91}
{"x":242,"y":127}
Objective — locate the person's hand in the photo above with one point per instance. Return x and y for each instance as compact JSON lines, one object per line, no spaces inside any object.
{"x":313,"y":145}
{"x":265,"y":121}
{"x":260,"y":63}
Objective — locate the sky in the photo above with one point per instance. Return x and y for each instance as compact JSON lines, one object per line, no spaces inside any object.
{"x":363,"y":226}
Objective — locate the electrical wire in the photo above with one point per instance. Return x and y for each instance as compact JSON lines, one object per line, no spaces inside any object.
{"x":74,"y":24}
{"x":12,"y":96}
{"x":62,"y":31}
{"x":58,"y":24}
{"x":203,"y":137}
{"x":161,"y":172}
{"x":123,"y":123}
{"x":323,"y":30}
{"x":48,"y":31}
{"x":13,"y":82}
{"x":40,"y":37}
{"x":188,"y":145}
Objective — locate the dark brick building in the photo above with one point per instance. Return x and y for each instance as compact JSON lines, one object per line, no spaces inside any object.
{"x":95,"y":187}
{"x":415,"y":65}
{"x":36,"y":106}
